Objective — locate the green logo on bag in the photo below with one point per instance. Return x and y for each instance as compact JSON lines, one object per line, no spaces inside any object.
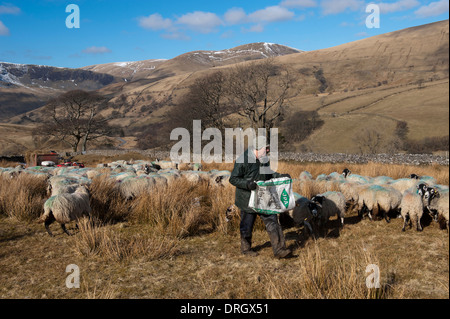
{"x":285,"y":198}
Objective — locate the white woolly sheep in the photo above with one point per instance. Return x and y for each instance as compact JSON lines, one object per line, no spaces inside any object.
{"x":378,"y":199}
{"x":219,"y":178}
{"x":437,"y":204}
{"x":350,"y":177}
{"x":191,"y":176}
{"x":132,"y":187}
{"x":164,"y":164}
{"x":305,"y":176}
{"x":190,"y":166}
{"x":381,"y":180}
{"x":404,"y":184}
{"x":412,"y":206}
{"x":65,"y":208}
{"x":350,"y":191}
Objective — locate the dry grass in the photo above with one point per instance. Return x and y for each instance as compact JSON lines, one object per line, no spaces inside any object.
{"x":107,"y":203}
{"x":174,"y":242}
{"x":5,"y":163}
{"x":180,"y":209}
{"x":117,"y":246}
{"x":22,"y":197}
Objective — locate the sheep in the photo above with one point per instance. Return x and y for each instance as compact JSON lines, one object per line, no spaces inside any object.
{"x":231,"y":212}
{"x":60,"y":184}
{"x":330,"y":204}
{"x":425,"y":179}
{"x":305,"y":176}
{"x":404,"y":184}
{"x":132,"y":187}
{"x":388,"y":200}
{"x":375,"y":199}
{"x":65,"y":208}
{"x":191,"y":176}
{"x":357,"y":179}
{"x":412,"y":206}
{"x":305,"y":213}
{"x":381,"y":180}
{"x":350,"y":191}
{"x":190,"y":166}
{"x":335,"y":177}
{"x":170,"y":175}
{"x":437,"y":204}
{"x":346,"y":172}
{"x":164,"y":164}
{"x":219,"y":178}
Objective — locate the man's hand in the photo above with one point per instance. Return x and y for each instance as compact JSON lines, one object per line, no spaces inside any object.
{"x":251,"y":185}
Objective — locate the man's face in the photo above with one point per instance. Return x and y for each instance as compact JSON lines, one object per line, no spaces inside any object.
{"x":262,"y":152}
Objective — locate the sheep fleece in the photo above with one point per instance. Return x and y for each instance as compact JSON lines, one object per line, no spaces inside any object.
{"x":67,"y":207}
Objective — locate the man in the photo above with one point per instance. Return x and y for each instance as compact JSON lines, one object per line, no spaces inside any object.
{"x":247,"y":170}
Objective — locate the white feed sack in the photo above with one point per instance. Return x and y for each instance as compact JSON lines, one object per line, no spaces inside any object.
{"x":274,"y":196}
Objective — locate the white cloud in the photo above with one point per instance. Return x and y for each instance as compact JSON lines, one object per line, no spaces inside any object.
{"x":96,"y":50}
{"x":155,"y":22}
{"x":271,"y":14}
{"x":204,"y":22}
{"x":362,"y":34}
{"x":3,"y":29}
{"x":235,"y":16}
{"x":299,"y":3}
{"x":338,"y":6}
{"x":433,"y":9}
{"x":176,"y":36}
{"x":401,"y":5}
{"x":9,"y":9}
{"x":255,"y":28}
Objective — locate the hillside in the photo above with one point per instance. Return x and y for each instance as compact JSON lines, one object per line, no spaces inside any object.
{"x":191,"y":61}
{"x":370,"y":83}
{"x":26,"y":87}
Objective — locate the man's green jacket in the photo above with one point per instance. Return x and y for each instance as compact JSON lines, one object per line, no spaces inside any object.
{"x":247,"y":168}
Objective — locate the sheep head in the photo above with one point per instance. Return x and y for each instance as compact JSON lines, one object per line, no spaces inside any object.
{"x":346,"y":172}
{"x":230,"y":212}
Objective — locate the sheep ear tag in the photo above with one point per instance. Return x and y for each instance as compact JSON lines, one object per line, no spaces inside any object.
{"x":284,"y":198}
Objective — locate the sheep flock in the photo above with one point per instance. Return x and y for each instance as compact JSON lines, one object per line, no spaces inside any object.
{"x":372,"y":197}
{"x":68,"y":187}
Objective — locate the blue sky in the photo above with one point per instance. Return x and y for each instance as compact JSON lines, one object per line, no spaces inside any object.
{"x":35,"y":32}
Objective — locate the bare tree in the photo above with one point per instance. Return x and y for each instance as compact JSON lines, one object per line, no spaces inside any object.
{"x":258,"y":91}
{"x":206,"y":101}
{"x":369,"y":141}
{"x":74,"y":118}
{"x":402,"y":130}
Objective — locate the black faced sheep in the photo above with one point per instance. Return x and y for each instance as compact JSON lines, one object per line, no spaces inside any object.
{"x":437,"y":204}
{"x":330,"y":204}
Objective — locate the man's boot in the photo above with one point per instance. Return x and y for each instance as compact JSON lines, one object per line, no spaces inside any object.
{"x":246,"y":245}
{"x":277,"y":240}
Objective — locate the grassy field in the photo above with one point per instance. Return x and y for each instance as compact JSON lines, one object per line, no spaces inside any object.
{"x":164,"y":245}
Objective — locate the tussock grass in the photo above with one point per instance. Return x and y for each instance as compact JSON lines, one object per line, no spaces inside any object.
{"x":178,"y":209}
{"x":22,"y":197}
{"x":322,"y":276}
{"x":117,"y":246}
{"x":107,"y":203}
